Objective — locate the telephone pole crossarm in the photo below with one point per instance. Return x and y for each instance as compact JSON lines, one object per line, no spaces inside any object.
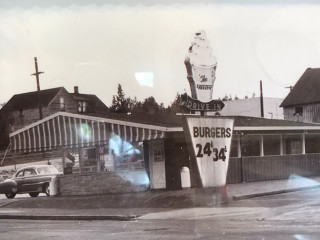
{"x":37,"y":73}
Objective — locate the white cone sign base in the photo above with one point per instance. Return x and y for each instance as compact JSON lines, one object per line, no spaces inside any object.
{"x":211,"y":141}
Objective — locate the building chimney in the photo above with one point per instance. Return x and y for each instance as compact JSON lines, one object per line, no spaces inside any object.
{"x":76,"y":89}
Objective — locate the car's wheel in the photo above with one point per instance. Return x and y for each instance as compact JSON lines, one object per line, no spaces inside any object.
{"x":46,"y":189}
{"x":34,"y":194}
{"x":10,"y":195}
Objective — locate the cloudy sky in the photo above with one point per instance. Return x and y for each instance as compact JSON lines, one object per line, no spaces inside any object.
{"x":97,"y":44}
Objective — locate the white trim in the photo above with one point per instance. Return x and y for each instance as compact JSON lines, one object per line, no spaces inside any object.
{"x":149,"y":137}
{"x":131,"y":134}
{"x":19,"y":140}
{"x":173,"y":129}
{"x":263,"y":128}
{"x":165,"y":129}
{"x":143,"y":135}
{"x":24,"y":141}
{"x":65,"y":131}
{"x":100,"y":119}
{"x":81,"y":132}
{"x":137,"y":136}
{"x":93,"y":134}
{"x":76,"y":132}
{"x":125,"y":133}
{"x":15,"y":142}
{"x":70,"y":129}
{"x":44,"y":137}
{"x":54,"y":132}
{"x":29,"y":138}
{"x":48,"y":125}
{"x":119,"y":131}
{"x":99,"y":132}
{"x":277,"y":128}
{"x":38,"y":127}
{"x":87,"y":137}
{"x":34,"y":140}
{"x":104,"y":133}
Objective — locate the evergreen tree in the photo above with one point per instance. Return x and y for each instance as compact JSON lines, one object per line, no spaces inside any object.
{"x":119,"y":102}
{"x":150,"y":105}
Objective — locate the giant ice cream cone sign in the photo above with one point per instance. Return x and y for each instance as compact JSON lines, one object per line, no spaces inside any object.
{"x":201,"y":67}
{"x":208,"y":137}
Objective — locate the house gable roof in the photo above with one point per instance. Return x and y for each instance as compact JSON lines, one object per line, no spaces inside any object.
{"x":306,"y":90}
{"x":91,"y":99}
{"x":30,"y":100}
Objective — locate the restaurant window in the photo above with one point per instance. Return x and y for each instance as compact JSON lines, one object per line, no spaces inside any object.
{"x":250,"y":145}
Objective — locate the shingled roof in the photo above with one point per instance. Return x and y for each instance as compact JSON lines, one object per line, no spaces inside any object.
{"x":30,"y":100}
{"x":306,"y":90}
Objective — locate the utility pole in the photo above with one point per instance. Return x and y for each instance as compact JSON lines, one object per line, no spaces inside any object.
{"x":261,"y":100}
{"x":37,"y":73}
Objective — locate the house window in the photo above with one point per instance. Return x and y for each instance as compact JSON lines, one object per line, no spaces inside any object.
{"x":82,"y":106}
{"x":298,"y":111}
{"x":62,"y":104}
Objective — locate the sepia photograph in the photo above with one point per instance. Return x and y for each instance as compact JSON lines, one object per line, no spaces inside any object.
{"x":182,"y":119}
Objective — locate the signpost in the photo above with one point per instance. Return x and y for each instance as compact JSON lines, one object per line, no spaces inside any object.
{"x":208,"y":137}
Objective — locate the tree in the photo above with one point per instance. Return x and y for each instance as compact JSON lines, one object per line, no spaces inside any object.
{"x":175,"y":106}
{"x":150,"y":105}
{"x":119,"y":102}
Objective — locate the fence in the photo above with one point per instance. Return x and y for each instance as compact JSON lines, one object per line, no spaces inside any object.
{"x":252,"y":169}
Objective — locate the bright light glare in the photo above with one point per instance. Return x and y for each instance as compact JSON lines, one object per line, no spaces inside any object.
{"x":119,"y":146}
{"x":299,"y":181}
{"x":85,"y":131}
{"x":301,"y":237}
{"x":145,"y":78}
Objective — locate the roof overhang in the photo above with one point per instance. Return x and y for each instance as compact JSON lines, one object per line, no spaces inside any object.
{"x":68,"y":130}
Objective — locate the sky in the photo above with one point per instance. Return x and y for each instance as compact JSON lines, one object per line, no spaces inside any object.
{"x":97,"y":45}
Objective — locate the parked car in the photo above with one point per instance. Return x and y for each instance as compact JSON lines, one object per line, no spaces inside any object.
{"x":32,"y":179}
{"x":7,"y":185}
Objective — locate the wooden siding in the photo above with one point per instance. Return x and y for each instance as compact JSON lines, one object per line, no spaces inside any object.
{"x":253,"y":169}
{"x":311,"y":113}
{"x":71,"y":105}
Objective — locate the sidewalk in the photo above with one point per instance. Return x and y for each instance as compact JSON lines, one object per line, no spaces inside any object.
{"x":130,"y":206}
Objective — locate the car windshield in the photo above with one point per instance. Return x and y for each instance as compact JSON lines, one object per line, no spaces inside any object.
{"x":46,"y":170}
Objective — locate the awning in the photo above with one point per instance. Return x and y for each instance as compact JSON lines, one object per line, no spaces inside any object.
{"x":67,"y":130}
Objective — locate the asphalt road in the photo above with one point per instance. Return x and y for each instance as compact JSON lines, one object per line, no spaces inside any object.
{"x":4,"y":200}
{"x":286,"y":216}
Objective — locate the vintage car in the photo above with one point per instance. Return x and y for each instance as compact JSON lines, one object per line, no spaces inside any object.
{"x":7,"y":185}
{"x":32,"y":179}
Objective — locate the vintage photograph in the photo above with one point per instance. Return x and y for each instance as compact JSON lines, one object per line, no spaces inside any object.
{"x":159,"y":119}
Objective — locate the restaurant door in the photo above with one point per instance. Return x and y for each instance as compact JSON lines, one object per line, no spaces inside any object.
{"x":157,"y":164}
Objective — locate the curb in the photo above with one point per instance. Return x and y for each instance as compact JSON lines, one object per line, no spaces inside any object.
{"x":69,"y":217}
{"x":254,"y":195}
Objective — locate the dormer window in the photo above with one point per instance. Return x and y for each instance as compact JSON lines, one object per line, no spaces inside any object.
{"x":62,"y":104}
{"x":82,"y":106}
{"x":298,"y":111}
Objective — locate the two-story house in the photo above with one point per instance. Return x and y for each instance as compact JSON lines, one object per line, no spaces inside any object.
{"x":23,"y":109}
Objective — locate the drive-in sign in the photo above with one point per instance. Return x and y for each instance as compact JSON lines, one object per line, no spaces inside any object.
{"x":211,"y":140}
